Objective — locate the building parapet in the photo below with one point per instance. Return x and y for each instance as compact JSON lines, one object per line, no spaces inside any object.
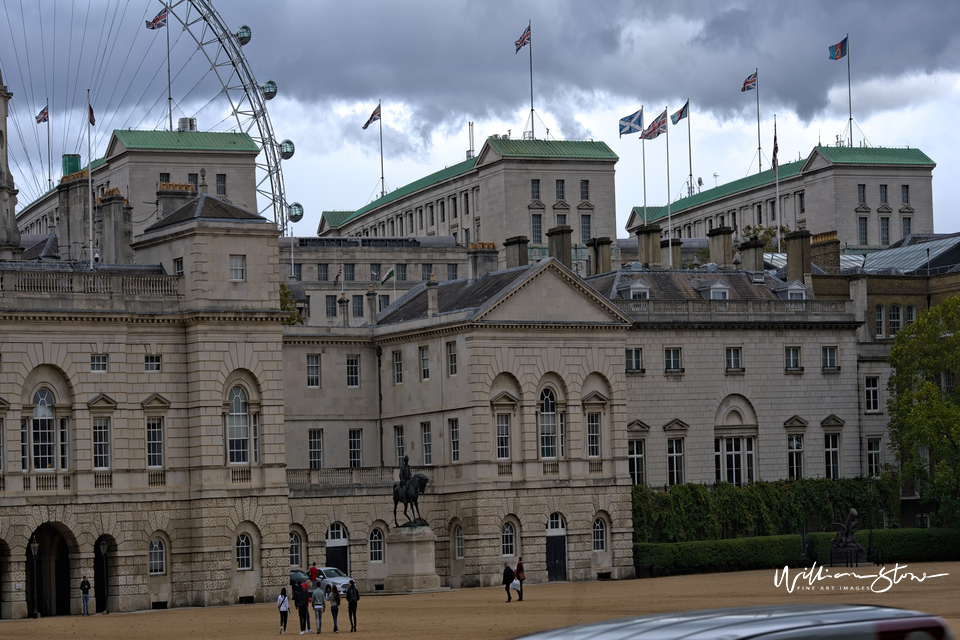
{"x":734,"y":310}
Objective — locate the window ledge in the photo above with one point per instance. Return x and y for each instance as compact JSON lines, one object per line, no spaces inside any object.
{"x":736,"y":372}
{"x":830,"y":370}
{"x":795,"y":371}
{"x":673,"y":372}
{"x":637,"y":371}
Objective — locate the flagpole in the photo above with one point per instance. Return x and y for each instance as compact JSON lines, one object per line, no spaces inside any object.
{"x":643,"y":148}
{"x":383,"y":182}
{"x":49,"y":154}
{"x":669,"y":221}
{"x":759,"y":152}
{"x":532,"y":122}
{"x":690,"y":149}
{"x":776,"y":177}
{"x":166,"y":11}
{"x":849,"y":92}
{"x":90,"y":178}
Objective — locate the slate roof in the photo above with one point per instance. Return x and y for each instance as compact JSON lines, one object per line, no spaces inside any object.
{"x":40,"y":247}
{"x":682,"y":284}
{"x":914,"y":257}
{"x":186,"y":140}
{"x":205,"y":207}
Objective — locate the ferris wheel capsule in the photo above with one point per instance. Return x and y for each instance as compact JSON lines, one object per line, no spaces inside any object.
{"x":244,"y":34}
{"x":287,"y":149}
{"x":269,"y":89}
{"x":295,"y":212}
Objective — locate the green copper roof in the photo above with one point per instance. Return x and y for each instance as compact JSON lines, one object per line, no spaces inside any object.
{"x":186,"y":140}
{"x":875,"y":155}
{"x":336,"y":218}
{"x":583,"y":149}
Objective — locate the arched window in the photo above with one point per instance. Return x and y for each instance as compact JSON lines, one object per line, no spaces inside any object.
{"x":294,"y":549}
{"x":556,"y":524}
{"x":244,"y":553}
{"x":507,"y":539}
{"x":458,"y":543}
{"x":599,"y":535}
{"x":158,"y":557}
{"x":548,"y":424}
{"x":44,"y":431}
{"x":238,"y":427}
{"x":336,"y":533}
{"x":376,"y":545}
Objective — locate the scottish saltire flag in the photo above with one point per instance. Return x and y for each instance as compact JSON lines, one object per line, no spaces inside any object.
{"x":633,"y":123}
{"x":93,"y":121}
{"x":159,"y":21}
{"x":750,"y":83}
{"x":839,"y":50}
{"x":389,"y":275}
{"x":43,"y":116}
{"x":656,"y":127}
{"x":524,"y":39}
{"x":680,"y":115}
{"x":373,"y":117}
{"x":776,"y":165}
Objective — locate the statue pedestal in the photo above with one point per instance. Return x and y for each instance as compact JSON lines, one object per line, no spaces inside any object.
{"x":411,"y":560}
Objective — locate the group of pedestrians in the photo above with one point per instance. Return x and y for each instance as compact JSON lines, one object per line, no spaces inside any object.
{"x":513,"y":579}
{"x":311,"y":594}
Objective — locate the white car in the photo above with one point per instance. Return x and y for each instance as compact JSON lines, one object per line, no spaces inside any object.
{"x":335,"y":578}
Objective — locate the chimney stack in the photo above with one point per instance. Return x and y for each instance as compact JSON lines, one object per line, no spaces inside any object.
{"x":372,"y":304}
{"x":825,"y":251}
{"x":173,"y":195}
{"x":648,"y":246}
{"x":116,"y":229}
{"x":720,"y":242}
{"x":516,"y":248}
{"x":558,"y":244}
{"x":433,"y":301}
{"x":798,"y":254}
{"x":481,"y":260}
{"x":599,"y":254}
{"x":670,"y":246}
{"x":344,"y":306}
{"x":751,"y":255}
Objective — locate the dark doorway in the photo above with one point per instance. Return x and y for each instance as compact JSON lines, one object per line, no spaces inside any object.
{"x":48,"y":581}
{"x":556,"y":558}
{"x":99,"y":579}
{"x":337,"y":557}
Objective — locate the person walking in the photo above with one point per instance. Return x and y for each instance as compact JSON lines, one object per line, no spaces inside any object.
{"x":507,"y":579}
{"x":353,"y":596}
{"x":284,"y":606}
{"x":521,"y":576}
{"x":85,"y":591}
{"x":301,"y":598}
{"x":333,"y":597}
{"x":314,"y":572}
{"x":308,"y":587}
{"x":318,"y":600}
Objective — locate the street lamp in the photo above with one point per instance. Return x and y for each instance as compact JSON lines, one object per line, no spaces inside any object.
{"x":103,"y":554}
{"x":34,"y":549}
{"x":870,"y":503}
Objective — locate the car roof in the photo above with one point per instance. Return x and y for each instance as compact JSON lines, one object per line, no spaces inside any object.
{"x":730,"y":624}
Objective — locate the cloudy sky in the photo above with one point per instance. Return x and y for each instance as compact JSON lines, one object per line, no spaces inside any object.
{"x":439,"y":65}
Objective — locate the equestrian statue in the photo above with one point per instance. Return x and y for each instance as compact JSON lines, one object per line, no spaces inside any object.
{"x":408,"y":492}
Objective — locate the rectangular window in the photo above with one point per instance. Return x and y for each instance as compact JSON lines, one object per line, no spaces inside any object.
{"x":872,"y":390}
{"x":155,"y":442}
{"x":874,"y":460}
{"x":536,"y":228}
{"x":803,"y":203}
{"x":399,"y":444}
{"x":426,"y":270}
{"x":64,"y":444}
{"x":353,"y":372}
{"x":443,"y":213}
{"x":451,"y":358}
{"x":828,"y":358}
{"x":585,"y":232}
{"x":794,"y":457}
{"x":331,"y":306}
{"x":862,"y":231}
{"x":178,"y":266}
{"x":879,"y":320}
{"x":151,"y":364}
{"x":238,"y":433}
{"x":634,"y":359}
{"x":194,"y":179}
{"x":24,"y":445}
{"x":401,"y":273}
{"x":393,"y":227}
{"x":831,"y":455}
{"x":861,"y":193}
{"x":734,"y":460}
{"x":453,"y":207}
{"x":548,"y":435}
{"x":884,"y":231}
{"x":671,"y":359}
{"x":427,"y":443}
{"x":297,"y":272}
{"x":584,"y":189}
{"x":101,"y":443}
{"x":313,"y":371}
{"x":561,"y":219}
{"x":164,"y":178}
{"x":98,"y":363}
{"x":759,"y":213}
{"x":635,"y":461}
{"x":349,"y":272}
{"x":315,"y":442}
{"x":374,"y":272}
{"x":451,"y":272}
{"x":893,"y":317}
{"x":734,"y":363}
{"x":674,"y":461}
{"x":384,"y":302}
{"x":454,"y":439}
{"x":356,"y":448}
{"x":419,"y":218}
{"x":905,"y":193}
{"x":560,"y":192}
{"x":773,"y":210}
{"x":221,"y":184}
{"x":593,"y":435}
{"x":905,"y":227}
{"x":238,"y":268}
{"x":535,"y":189}
{"x":424,"y":363}
{"x":791,"y":359}
{"x":432,"y":217}
{"x":466,"y":205}
{"x":883,"y":194}
{"x":397,"y":367}
{"x":323,"y":273}
{"x":357,"y":306}
{"x":503,"y":436}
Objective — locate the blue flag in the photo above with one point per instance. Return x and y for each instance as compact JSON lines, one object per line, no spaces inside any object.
{"x":839,"y":50}
{"x":633,"y":123}
{"x":680,"y":115}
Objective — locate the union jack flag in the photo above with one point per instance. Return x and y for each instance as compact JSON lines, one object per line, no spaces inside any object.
{"x":750,"y":83}
{"x":373,"y":117}
{"x":656,"y":127}
{"x":159,"y":21}
{"x":336,"y":279}
{"x":43,"y":116}
{"x":91,"y":118}
{"x":524,"y":39}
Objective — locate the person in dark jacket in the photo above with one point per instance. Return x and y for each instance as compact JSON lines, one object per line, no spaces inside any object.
{"x":521,"y":576}
{"x":507,"y":579}
{"x":302,"y":599}
{"x":353,"y":596}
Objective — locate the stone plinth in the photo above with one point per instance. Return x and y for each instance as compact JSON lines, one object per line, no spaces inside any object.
{"x":411,"y":558}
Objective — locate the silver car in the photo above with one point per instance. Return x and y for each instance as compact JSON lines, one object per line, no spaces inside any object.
{"x":335,"y":578}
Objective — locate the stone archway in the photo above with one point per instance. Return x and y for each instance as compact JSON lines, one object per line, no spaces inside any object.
{"x":48,"y":576}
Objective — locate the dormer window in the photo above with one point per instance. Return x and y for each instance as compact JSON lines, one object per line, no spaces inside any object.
{"x":715,"y":290}
{"x":719,"y":294}
{"x":639,"y":294}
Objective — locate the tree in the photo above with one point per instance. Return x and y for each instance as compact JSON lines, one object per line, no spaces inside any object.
{"x":766,"y":234}
{"x":289,"y":304}
{"x":924,"y":407}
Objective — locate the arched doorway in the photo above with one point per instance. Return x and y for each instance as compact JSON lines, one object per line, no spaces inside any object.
{"x":556,"y":548}
{"x":48,"y":573}
{"x":337,"y":547}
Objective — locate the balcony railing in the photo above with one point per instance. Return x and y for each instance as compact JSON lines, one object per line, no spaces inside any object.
{"x":726,"y":310}
{"x":60,"y":283}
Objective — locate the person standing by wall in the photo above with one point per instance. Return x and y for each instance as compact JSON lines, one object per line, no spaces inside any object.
{"x":284,"y":606}
{"x":353,"y":596}
{"x":507,"y":579}
{"x":521,"y":576}
{"x":318,"y":600}
{"x":85,"y":592}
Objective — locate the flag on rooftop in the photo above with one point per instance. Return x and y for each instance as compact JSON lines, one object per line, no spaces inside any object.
{"x":776,"y":165}
{"x":839,"y":50}
{"x":92,"y":119}
{"x":43,"y":116}
{"x":633,"y":123}
{"x":524,"y":39}
{"x":656,"y":127}
{"x":159,"y":21}
{"x":680,"y":115}
{"x":373,"y":117}
{"x":750,"y":83}
{"x":389,"y":275}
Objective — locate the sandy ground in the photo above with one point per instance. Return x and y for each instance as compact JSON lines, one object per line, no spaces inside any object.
{"x":482,"y":614}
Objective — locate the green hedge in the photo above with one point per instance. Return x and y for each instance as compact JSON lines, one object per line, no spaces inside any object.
{"x":900,"y":545}
{"x":710,"y":556}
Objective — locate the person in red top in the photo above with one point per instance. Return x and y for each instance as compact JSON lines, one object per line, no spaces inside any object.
{"x":314,"y":572}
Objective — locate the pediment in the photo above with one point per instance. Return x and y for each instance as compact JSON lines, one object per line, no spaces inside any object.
{"x":536,"y":204}
{"x":156,"y":402}
{"x":487,"y":155}
{"x":796,"y":422}
{"x":585,"y":206}
{"x":884,"y":208}
{"x":595,"y":398}
{"x":906,"y":209}
{"x":862,"y":208}
{"x":4,"y":405}
{"x":505,"y":399}
{"x":561,"y":204}
{"x":815,"y":161}
{"x":114,"y":147}
{"x":832,"y":422}
{"x":638,"y":426}
{"x":676,"y":425}
{"x":102,"y":402}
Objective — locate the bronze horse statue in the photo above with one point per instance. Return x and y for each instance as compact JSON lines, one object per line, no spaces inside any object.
{"x":409,"y":494}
